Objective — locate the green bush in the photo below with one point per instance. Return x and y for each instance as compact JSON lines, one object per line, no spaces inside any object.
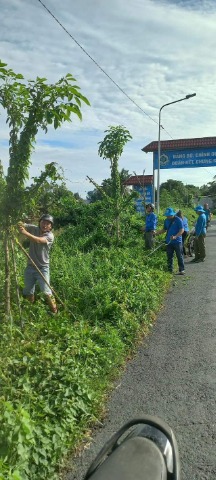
{"x":55,"y":371}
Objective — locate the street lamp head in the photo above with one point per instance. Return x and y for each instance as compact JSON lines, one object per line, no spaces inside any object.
{"x":159,"y":149}
{"x":191,"y":95}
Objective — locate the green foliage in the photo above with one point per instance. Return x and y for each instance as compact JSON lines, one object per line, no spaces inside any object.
{"x":29,"y":106}
{"x":45,"y":194}
{"x":112,"y":147}
{"x":2,"y":187}
{"x":174,"y":192}
{"x":84,"y":219}
{"x":113,"y":143}
{"x":95,"y":195}
{"x":209,"y":189}
{"x":16,"y":441}
{"x":55,"y":372}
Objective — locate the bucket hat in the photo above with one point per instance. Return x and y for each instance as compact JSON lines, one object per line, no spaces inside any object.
{"x":199,"y":208}
{"x":169,"y":212}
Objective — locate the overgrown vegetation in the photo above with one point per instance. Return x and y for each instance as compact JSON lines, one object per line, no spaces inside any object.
{"x":29,"y":105}
{"x":56,"y":371}
{"x":175,"y":192}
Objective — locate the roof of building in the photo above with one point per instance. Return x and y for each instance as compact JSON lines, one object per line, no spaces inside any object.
{"x":179,"y":144}
{"x":139,"y":180}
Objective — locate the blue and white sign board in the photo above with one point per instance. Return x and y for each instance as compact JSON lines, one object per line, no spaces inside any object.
{"x":140,"y":206}
{"x":186,"y":158}
{"x":146,"y":196}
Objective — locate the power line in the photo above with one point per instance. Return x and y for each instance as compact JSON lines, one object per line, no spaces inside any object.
{"x":208,"y":172}
{"x":97,"y":64}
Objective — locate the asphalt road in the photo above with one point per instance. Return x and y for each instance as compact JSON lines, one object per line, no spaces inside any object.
{"x":173,"y":374}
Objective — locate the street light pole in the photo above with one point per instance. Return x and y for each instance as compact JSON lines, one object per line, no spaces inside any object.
{"x":159,"y":144}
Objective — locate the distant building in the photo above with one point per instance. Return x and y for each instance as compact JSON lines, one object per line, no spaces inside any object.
{"x":203,"y":200}
{"x":138,"y":180}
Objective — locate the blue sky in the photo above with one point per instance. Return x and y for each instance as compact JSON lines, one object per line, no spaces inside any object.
{"x":157,"y":51}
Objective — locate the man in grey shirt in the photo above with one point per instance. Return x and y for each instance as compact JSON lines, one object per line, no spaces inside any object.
{"x":41,"y":239}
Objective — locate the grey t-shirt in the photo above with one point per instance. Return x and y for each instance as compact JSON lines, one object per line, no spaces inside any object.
{"x":39,"y":252}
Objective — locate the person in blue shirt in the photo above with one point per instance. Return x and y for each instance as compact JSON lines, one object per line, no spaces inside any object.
{"x":150,"y":226}
{"x":200,"y":232}
{"x":207,"y":214}
{"x":186,"y":229}
{"x":173,"y":226}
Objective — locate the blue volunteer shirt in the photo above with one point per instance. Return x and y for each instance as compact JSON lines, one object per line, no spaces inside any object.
{"x":207,"y":213}
{"x":185,"y":224}
{"x":151,"y":222}
{"x":200,"y":227}
{"x":172,"y":227}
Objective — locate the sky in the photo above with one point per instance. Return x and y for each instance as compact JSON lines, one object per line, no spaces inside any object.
{"x":157,"y":51}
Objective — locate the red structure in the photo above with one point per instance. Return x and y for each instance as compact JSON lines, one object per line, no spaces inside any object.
{"x":140,"y":180}
{"x":204,"y":142}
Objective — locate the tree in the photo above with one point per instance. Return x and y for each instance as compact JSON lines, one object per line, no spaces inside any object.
{"x":175,"y":192}
{"x":95,"y":195}
{"x":29,"y":106}
{"x":209,"y":189}
{"x":112,"y":147}
{"x":78,"y":197}
{"x":48,"y":193}
{"x":38,"y":197}
{"x":2,"y":186}
{"x":173,"y":185}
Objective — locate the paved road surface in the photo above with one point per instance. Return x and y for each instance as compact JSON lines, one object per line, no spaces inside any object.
{"x":173,"y":374}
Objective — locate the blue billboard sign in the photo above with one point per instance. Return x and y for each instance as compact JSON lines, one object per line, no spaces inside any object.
{"x":186,"y":158}
{"x":139,"y":204}
{"x":146,"y":196}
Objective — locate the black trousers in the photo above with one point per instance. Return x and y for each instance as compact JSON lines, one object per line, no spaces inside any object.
{"x":184,"y":236}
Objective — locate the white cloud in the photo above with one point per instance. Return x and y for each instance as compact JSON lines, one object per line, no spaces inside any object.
{"x":157,"y":52}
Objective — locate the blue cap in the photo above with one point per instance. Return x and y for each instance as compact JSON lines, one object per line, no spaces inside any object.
{"x":199,"y":208}
{"x":169,"y":212}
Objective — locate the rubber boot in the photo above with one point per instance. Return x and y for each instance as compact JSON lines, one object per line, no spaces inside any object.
{"x":30,"y":298}
{"x":52,"y":303}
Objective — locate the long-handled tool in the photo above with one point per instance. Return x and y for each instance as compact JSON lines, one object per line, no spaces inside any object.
{"x":157,"y":248}
{"x":38,"y":270}
{"x":16,"y":282}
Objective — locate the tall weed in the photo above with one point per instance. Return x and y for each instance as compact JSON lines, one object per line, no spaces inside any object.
{"x":55,"y":372}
